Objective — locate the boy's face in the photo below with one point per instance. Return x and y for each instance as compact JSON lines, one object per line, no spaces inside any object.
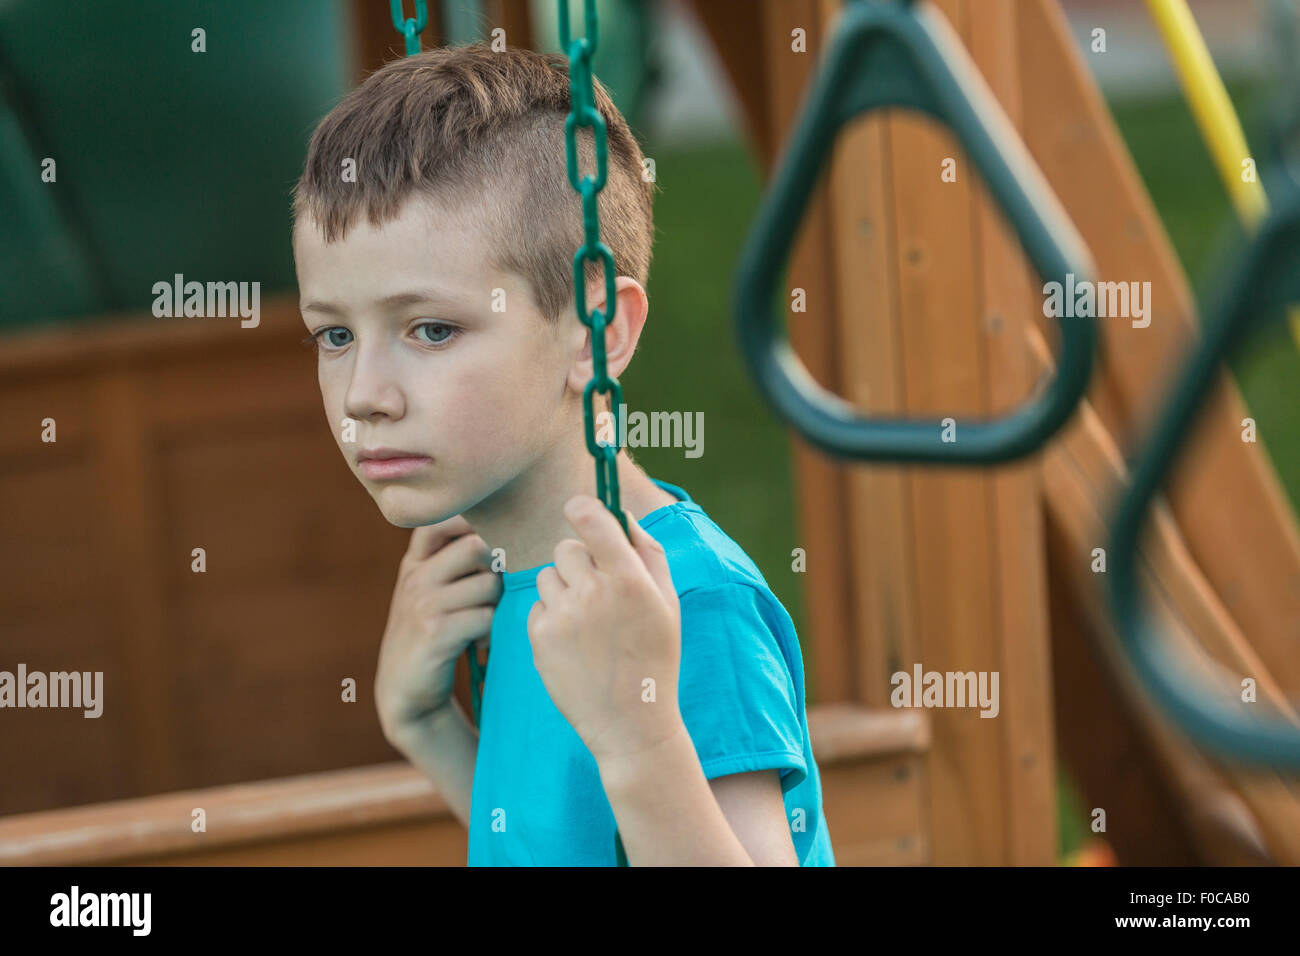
{"x":411,"y":349}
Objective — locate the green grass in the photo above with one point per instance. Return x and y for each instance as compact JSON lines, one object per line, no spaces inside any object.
{"x":688,"y":359}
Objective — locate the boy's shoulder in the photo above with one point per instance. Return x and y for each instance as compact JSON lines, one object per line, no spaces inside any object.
{"x":700,"y":554}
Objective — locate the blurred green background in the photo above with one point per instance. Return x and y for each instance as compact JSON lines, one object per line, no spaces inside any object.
{"x":172,"y":161}
{"x":169,"y":160}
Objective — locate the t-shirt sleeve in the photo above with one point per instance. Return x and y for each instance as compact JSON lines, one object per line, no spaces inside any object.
{"x":740,"y":689}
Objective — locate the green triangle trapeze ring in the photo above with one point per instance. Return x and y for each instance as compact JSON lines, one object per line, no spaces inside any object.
{"x":907,"y":55}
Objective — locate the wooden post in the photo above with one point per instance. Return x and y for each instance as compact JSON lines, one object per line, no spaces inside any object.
{"x":977,"y":586}
{"x":933,"y":566}
{"x":1022,"y":626}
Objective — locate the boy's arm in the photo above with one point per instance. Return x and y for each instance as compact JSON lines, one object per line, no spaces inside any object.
{"x":670,"y":814}
{"x":609,"y":607}
{"x":444,"y":748}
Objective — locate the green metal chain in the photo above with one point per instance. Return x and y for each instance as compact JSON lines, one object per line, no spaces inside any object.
{"x":582,"y":114}
{"x":410,"y":28}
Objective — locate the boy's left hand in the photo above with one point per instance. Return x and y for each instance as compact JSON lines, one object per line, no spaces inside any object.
{"x":607,"y":622}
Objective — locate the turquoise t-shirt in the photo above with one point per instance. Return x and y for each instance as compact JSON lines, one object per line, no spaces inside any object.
{"x":537,"y":798}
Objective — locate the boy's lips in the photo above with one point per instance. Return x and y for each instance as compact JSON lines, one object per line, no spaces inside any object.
{"x":382,"y":463}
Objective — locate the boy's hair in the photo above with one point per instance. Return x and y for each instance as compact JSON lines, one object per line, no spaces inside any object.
{"x":463,"y":123}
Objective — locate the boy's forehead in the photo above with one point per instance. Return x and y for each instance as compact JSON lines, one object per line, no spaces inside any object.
{"x":424,"y":238}
{"x":418,"y":222}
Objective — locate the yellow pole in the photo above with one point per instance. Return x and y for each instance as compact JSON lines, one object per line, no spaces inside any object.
{"x":1214,"y":115}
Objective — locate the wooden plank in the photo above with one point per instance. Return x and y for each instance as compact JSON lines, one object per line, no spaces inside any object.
{"x":875,"y":811}
{"x":137,"y":339}
{"x":129,"y":486}
{"x":1225,"y":490}
{"x":878,"y":519}
{"x":1019,"y":562}
{"x":842,"y":732}
{"x":892,"y":851}
{"x":441,"y":842}
{"x":258,"y":812}
{"x":952,"y":530}
{"x":872,"y":765}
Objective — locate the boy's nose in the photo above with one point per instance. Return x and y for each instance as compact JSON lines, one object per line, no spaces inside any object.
{"x":373,"y":388}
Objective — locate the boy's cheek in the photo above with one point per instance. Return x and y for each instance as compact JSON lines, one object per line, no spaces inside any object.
{"x":474,"y":417}
{"x":346,"y":431}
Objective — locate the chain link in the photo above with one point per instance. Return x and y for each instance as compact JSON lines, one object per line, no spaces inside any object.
{"x":410,"y":29}
{"x":584,"y":115}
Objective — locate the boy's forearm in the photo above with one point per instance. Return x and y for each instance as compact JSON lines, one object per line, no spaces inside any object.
{"x":444,"y":749}
{"x":666,"y":812}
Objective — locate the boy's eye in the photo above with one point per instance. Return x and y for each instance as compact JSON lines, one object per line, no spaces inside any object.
{"x":440,"y":333}
{"x":328,"y":336}
{"x":325,"y":335}
{"x":337,"y":337}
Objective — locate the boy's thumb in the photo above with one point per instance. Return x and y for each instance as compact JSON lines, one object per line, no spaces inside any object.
{"x":651,"y":552}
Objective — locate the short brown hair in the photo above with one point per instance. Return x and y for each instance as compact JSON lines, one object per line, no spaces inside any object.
{"x":463,"y":122}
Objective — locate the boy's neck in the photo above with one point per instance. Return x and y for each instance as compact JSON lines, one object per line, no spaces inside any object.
{"x":526,"y":518}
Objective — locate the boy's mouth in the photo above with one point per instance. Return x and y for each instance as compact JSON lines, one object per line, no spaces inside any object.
{"x":386,"y":463}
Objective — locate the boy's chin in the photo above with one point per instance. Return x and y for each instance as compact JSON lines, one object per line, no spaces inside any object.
{"x":410,"y":508}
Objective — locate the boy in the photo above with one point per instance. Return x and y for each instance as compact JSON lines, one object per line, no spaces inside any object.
{"x":653,"y":685}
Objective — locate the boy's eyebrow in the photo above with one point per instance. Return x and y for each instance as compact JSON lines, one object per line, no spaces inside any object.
{"x":395,"y":301}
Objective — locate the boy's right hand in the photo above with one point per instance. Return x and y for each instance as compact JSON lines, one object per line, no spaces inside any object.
{"x":445,"y":597}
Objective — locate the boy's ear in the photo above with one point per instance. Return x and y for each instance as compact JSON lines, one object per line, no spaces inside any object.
{"x":621,"y":336}
{"x":629,"y":321}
